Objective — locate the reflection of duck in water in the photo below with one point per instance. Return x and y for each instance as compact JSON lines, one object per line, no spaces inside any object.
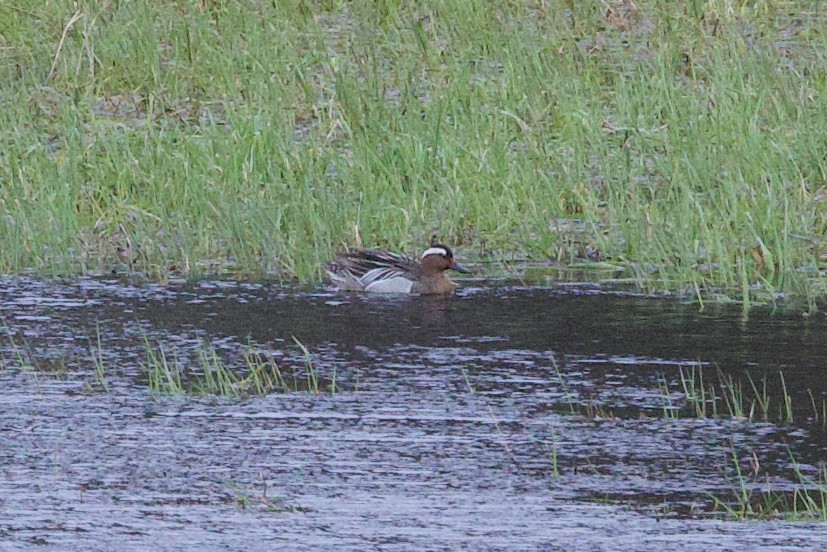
{"x":379,"y":271}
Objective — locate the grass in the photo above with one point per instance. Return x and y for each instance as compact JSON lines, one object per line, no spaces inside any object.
{"x":680,"y":140}
{"x":732,"y":398}
{"x":210,"y":375}
{"x":494,"y":420}
{"x":553,"y":454}
{"x":752,"y":494}
{"x":725,"y":396}
{"x":21,"y":356}
{"x":806,"y":502}
{"x":173,"y":372}
{"x":246,"y":499}
{"x":722,"y":395}
{"x":99,"y":377}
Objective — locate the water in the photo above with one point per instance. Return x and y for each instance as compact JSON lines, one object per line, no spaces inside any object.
{"x":503,"y":418}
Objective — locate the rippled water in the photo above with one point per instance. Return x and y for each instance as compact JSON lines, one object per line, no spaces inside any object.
{"x":501,"y":418}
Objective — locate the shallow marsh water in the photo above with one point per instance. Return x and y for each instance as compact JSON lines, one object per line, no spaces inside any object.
{"x":502,"y":418}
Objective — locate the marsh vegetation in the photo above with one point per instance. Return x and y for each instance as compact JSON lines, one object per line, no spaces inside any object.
{"x":675,"y":146}
{"x":680,"y":142}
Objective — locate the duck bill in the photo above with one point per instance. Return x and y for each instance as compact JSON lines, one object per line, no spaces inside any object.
{"x":459,"y":268}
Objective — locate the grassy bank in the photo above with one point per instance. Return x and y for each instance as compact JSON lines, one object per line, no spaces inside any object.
{"x":684,"y":140}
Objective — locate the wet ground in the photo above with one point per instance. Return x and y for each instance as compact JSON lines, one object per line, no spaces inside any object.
{"x":504,"y":418}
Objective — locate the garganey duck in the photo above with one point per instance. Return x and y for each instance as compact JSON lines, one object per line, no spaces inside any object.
{"x":379,"y":271}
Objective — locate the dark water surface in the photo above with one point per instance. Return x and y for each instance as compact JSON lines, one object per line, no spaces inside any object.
{"x":503,"y":418}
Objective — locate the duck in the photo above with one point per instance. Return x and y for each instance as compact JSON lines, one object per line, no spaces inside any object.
{"x":379,"y":271}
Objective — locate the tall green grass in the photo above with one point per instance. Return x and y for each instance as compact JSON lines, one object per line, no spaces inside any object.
{"x":686,"y":137}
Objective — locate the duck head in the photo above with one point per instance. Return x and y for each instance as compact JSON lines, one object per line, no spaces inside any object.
{"x":439,"y":258}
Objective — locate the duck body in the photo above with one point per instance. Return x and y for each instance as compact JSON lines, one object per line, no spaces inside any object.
{"x":378,"y":271}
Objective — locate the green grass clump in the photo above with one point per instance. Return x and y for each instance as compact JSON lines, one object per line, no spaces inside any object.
{"x":806,"y":502}
{"x":684,"y":140}
{"x":723,"y":395}
{"x":211,"y":376}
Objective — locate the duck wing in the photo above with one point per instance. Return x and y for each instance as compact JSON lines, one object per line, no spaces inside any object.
{"x":371,"y":265}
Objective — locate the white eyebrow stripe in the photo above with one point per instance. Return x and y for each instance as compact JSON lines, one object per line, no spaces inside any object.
{"x":435,"y":251}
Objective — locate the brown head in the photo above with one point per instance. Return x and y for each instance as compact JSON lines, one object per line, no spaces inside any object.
{"x":439,"y":258}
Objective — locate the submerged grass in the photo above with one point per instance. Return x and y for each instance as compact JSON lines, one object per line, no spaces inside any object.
{"x":23,"y":357}
{"x":682,"y":140}
{"x":724,"y":395}
{"x":99,"y":379}
{"x":794,"y":492}
{"x":211,"y":376}
{"x":764,"y":399}
{"x":752,"y":499}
